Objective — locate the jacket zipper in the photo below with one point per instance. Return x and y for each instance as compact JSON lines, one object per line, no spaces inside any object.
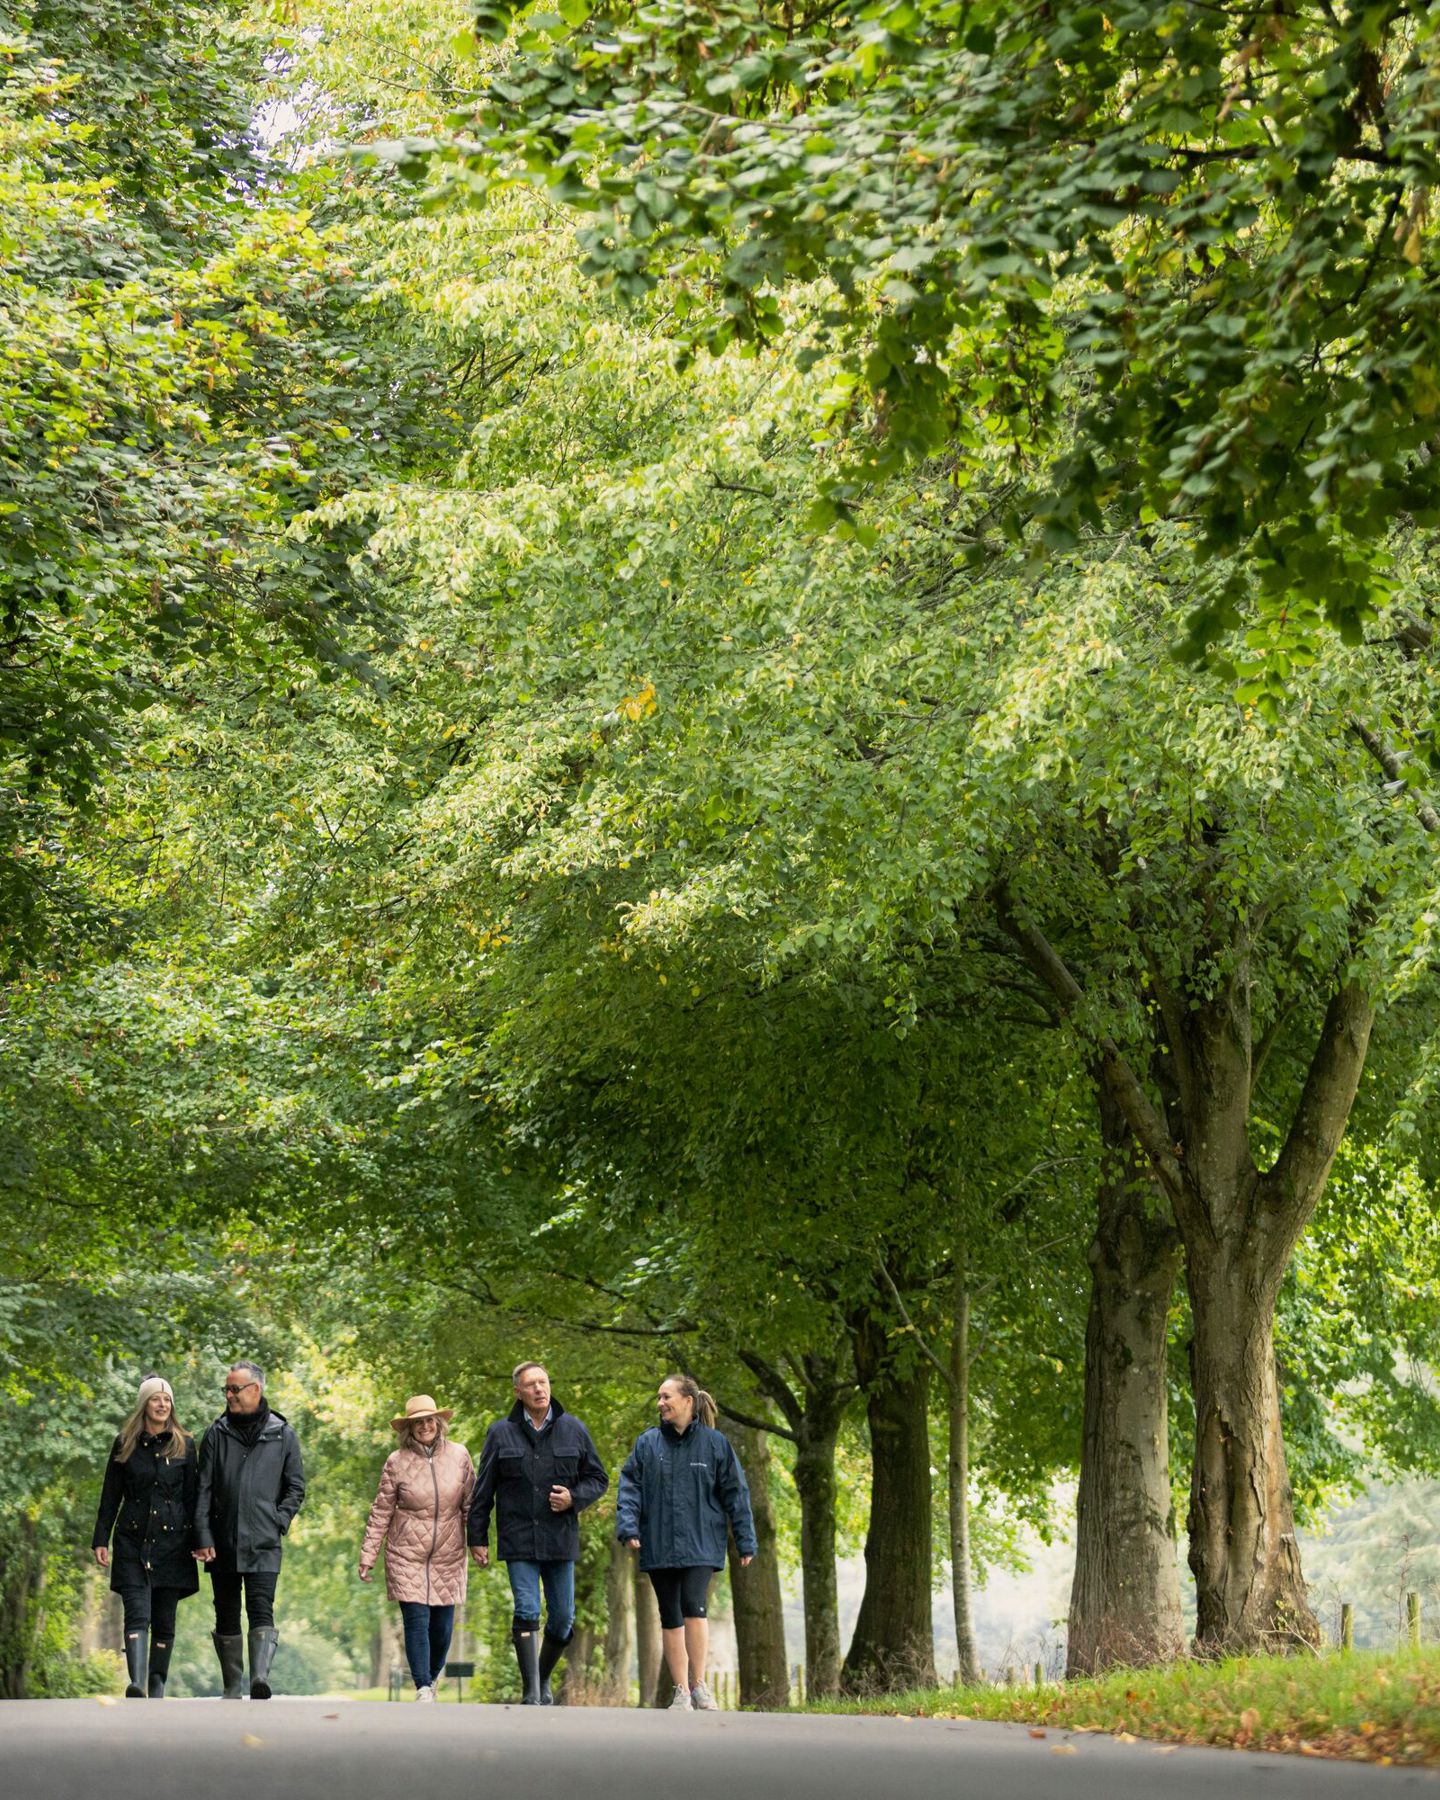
{"x":434,"y":1525}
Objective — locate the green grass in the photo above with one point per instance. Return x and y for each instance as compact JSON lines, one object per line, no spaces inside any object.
{"x":1373,"y":1706}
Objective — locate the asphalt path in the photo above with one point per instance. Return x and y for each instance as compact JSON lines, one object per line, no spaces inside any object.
{"x":345,"y":1750}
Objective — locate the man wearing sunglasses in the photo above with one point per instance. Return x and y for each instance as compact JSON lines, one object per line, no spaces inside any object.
{"x":251,"y":1485}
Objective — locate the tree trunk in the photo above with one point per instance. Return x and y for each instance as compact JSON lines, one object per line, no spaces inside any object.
{"x":619,"y":1624}
{"x":1125,"y":1599}
{"x":814,"y":1409}
{"x":893,"y":1646}
{"x":1250,"y":1592}
{"x":21,"y":1567}
{"x":815,"y":1485}
{"x":759,"y":1609}
{"x":649,"y":1649}
{"x":959,"y":1478}
{"x":1239,"y":1228}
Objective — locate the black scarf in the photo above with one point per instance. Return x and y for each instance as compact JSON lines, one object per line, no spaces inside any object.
{"x":247,"y":1426}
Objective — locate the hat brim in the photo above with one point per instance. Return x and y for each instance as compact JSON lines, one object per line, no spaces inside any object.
{"x":445,"y":1414}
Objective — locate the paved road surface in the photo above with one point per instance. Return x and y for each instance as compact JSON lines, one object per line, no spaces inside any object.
{"x":327,"y":1750}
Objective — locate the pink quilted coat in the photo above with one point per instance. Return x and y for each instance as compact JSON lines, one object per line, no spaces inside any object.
{"x":420,"y":1515}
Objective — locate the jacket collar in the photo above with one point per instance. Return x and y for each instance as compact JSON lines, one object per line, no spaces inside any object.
{"x":518,"y":1416}
{"x":272,"y":1427}
{"x":668,"y":1431}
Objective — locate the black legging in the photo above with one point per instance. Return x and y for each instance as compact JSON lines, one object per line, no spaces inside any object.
{"x":147,"y":1606}
{"x":682,"y":1593}
{"x":259,"y":1600}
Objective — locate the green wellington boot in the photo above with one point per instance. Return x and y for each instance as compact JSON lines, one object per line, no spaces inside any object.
{"x":231,"y":1651}
{"x":263,"y":1639}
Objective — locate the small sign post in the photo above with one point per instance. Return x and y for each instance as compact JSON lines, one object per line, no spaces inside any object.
{"x":462,"y":1671}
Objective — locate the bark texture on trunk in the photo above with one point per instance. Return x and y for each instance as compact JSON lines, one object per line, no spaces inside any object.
{"x":1239,"y":1227}
{"x":893,"y":1645}
{"x":649,"y":1650}
{"x":813,"y":1407}
{"x":1125,"y":1598}
{"x":21,"y":1578}
{"x":755,"y":1592}
{"x":619,"y":1624}
{"x":1250,"y":1592}
{"x":959,"y":1478}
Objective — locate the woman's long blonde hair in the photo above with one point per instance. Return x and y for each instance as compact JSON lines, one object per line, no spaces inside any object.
{"x":135,"y":1424}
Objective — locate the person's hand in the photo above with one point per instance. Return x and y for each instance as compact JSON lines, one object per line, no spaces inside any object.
{"x":632,"y":1543}
{"x":480,"y":1553}
{"x":366,"y":1570}
{"x":745,"y":1561}
{"x":206,"y":1556}
{"x":102,"y":1555}
{"x":561,"y":1499}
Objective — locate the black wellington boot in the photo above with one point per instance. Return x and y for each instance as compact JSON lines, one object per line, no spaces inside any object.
{"x":159,"y":1668}
{"x":231,"y":1651}
{"x":136,"y":1646}
{"x":527,"y":1654}
{"x":551,"y":1650}
{"x":263,"y":1639}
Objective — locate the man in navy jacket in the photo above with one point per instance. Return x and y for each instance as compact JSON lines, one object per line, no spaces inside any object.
{"x":539,"y":1469}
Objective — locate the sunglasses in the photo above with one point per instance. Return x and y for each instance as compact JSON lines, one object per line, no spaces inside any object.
{"x":230,"y":1387}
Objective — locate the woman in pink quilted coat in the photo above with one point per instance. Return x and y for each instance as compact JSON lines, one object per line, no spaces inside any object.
{"x":420,"y":1514}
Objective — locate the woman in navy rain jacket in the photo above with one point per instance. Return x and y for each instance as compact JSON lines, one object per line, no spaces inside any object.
{"x":680,"y":1487}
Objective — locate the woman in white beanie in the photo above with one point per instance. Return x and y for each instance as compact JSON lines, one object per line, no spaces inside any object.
{"x":150,"y":1482}
{"x":420,"y":1515}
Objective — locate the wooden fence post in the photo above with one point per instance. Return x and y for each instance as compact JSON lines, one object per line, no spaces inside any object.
{"x":1347,"y":1626}
{"x":1039,"y":1674}
{"x":1412,"y":1618}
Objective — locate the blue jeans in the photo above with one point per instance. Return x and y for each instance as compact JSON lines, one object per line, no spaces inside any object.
{"x":559,"y":1583}
{"x":427,"y":1639}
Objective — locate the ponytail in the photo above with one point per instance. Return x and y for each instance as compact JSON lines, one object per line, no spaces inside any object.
{"x":704,"y":1404}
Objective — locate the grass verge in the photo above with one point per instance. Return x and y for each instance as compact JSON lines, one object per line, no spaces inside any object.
{"x":1373,"y":1706}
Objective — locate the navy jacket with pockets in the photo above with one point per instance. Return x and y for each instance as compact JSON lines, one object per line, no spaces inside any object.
{"x":677,"y":1492}
{"x":518,"y":1467}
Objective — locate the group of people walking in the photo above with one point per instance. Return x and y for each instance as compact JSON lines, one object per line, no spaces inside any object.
{"x":166,"y":1508}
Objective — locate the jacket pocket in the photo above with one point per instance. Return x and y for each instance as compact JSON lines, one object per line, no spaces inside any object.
{"x":512,"y":1468}
{"x":567,"y":1469}
{"x":266,"y":1525}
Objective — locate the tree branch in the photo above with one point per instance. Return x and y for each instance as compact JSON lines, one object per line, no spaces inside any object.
{"x":1390,"y":763}
{"x":1293,"y":1185}
{"x":1144,"y":1119}
{"x":911,"y":1326}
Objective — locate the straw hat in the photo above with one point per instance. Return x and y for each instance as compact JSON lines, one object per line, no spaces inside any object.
{"x":420,"y":1406}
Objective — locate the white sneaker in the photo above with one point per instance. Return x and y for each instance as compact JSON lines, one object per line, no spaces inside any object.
{"x":682,"y":1701}
{"x":425,"y":1693}
{"x":702,"y":1700}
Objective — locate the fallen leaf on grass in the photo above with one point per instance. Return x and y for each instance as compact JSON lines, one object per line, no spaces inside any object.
{"x":1124,"y":1737}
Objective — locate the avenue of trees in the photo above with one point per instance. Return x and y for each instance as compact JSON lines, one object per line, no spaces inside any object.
{"x":743,"y":687}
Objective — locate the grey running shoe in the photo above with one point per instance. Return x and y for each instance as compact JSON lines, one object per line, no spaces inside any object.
{"x":702,"y":1699}
{"x":682,"y":1701}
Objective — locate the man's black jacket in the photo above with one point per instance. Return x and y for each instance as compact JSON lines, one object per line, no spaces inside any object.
{"x":248,"y":1494}
{"x":518,"y":1468}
